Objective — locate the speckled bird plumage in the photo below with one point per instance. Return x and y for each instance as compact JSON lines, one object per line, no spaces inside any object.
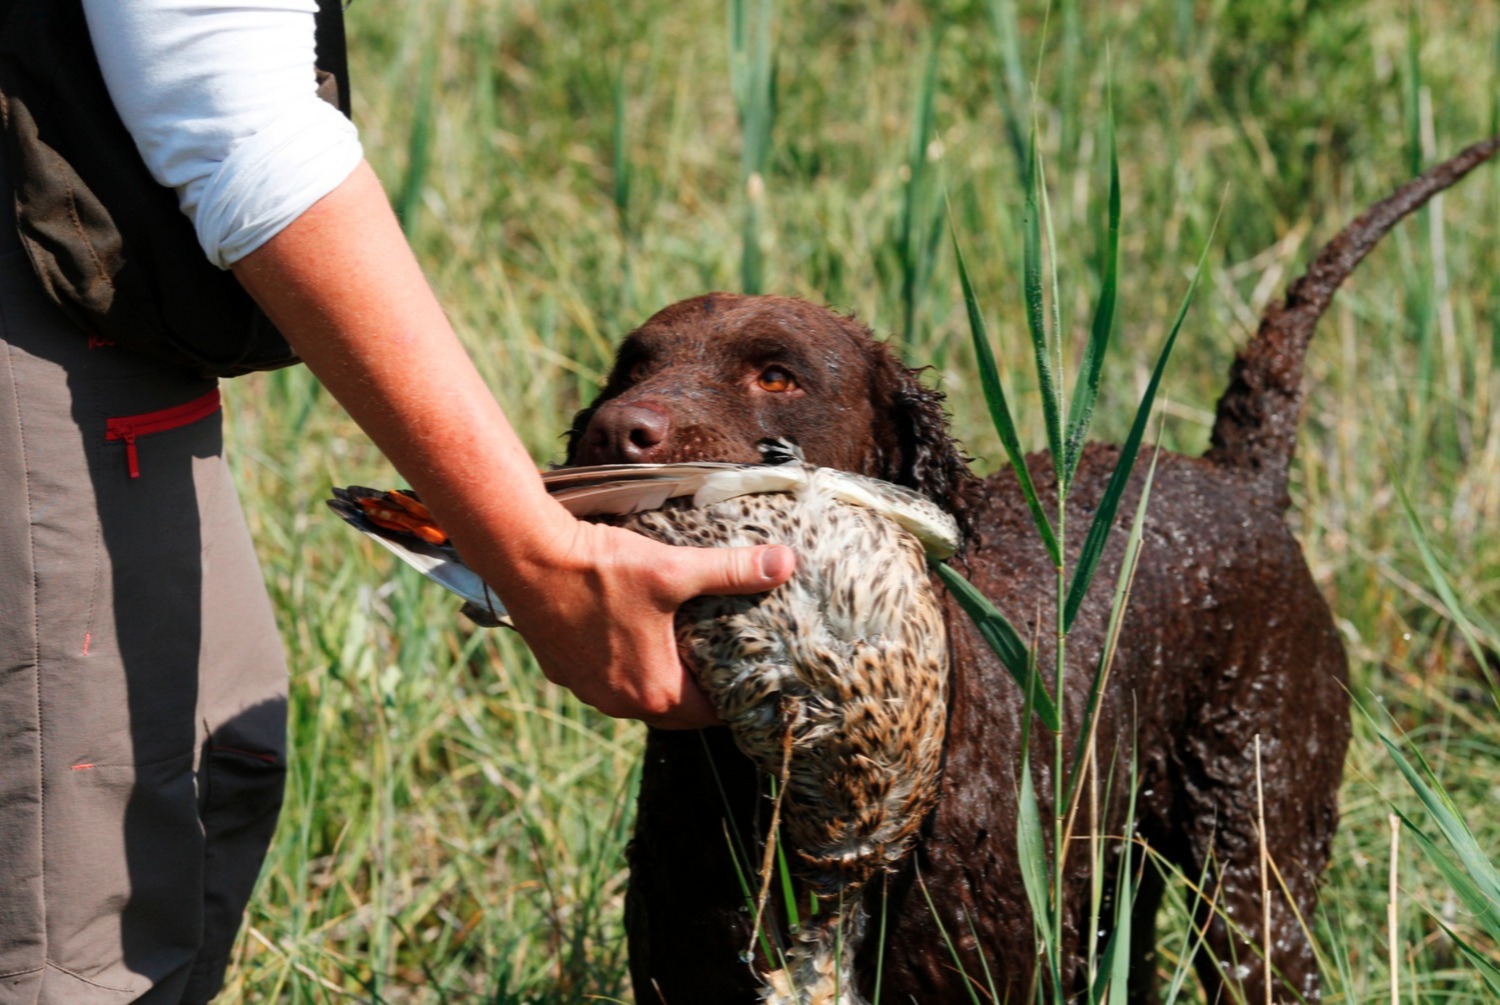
{"x":835,"y":681}
{"x":848,"y":656}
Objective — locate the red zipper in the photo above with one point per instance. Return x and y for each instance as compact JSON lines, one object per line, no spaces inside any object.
{"x":128,"y":427}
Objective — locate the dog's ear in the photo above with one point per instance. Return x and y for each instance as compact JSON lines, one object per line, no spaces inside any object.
{"x":914,"y":447}
{"x":930,"y":460}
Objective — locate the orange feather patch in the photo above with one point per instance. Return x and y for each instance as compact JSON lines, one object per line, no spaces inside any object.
{"x":400,"y":512}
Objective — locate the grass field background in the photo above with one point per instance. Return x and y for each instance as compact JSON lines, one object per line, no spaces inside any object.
{"x":455,"y":827}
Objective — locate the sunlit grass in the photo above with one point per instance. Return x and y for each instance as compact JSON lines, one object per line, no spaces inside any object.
{"x":455,"y":827}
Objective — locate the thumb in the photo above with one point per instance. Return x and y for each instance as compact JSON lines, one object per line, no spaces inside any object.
{"x":721,"y":571}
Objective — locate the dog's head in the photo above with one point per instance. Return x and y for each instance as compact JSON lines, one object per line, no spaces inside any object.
{"x":707,"y":379}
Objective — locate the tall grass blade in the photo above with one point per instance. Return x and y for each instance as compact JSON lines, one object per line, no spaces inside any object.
{"x":1194,"y":937}
{"x":1456,"y":611}
{"x":622,"y":167}
{"x":739,"y":855}
{"x":1335,"y":937}
{"x":1116,"y":619}
{"x":1464,"y":888}
{"x":752,"y":260}
{"x":752,"y":78}
{"x":1086,"y":391}
{"x":1420,"y":306}
{"x":1032,"y":850}
{"x":752,"y":70}
{"x":1467,"y":893}
{"x":624,"y":176}
{"x":1412,"y":93}
{"x":1495,"y":197}
{"x":984,"y":962}
{"x":1036,"y":309}
{"x":433,"y":980}
{"x":1049,"y":258}
{"x":1489,"y":972}
{"x":994,"y":396}
{"x":1068,"y":78}
{"x":1480,"y":889}
{"x":1010,"y":77}
{"x":947,"y":939}
{"x":921,"y":218}
{"x":1003,"y":639}
{"x":1112,"y":983}
{"x":418,"y":144}
{"x":748,"y":893}
{"x":784,"y":875}
{"x":1104,"y":516}
{"x":1184,"y":18}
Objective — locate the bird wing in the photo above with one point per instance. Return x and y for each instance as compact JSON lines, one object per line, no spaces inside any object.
{"x":400,"y":522}
{"x":913,"y":512}
{"x":409,"y":532}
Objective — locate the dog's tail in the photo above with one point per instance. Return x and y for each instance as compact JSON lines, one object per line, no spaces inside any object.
{"x":1255,"y":428}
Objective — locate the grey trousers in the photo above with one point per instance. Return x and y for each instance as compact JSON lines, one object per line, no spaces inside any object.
{"x":142,"y":682}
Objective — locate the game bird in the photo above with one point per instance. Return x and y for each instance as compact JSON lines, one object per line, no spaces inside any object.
{"x":834,"y":684}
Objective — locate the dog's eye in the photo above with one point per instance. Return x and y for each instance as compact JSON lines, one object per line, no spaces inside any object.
{"x":776,"y":380}
{"x":638,"y":371}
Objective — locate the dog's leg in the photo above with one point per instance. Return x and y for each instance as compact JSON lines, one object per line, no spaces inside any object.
{"x":687,"y":910}
{"x":1283,"y":688}
{"x":1233,"y":966}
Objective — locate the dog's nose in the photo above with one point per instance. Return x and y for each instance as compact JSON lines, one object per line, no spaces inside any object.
{"x":629,"y":433}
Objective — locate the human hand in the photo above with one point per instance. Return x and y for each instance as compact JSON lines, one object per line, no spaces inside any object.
{"x":597,"y":610}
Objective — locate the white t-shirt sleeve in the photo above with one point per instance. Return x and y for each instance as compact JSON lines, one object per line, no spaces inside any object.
{"x":221,"y":100}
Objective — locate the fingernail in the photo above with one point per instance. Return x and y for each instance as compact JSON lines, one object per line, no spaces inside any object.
{"x":777,"y":562}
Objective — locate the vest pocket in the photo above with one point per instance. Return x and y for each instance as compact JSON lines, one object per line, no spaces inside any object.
{"x":128,"y":428}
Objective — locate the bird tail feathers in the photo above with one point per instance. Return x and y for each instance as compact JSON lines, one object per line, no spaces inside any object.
{"x":819,"y":967}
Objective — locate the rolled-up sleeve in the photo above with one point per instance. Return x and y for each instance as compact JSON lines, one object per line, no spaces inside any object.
{"x":222,"y":102}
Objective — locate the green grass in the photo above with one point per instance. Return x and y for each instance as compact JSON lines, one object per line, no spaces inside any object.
{"x":455,"y":827}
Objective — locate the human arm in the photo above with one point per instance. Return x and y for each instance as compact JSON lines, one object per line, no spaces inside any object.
{"x":220,"y":101}
{"x":594,"y":603}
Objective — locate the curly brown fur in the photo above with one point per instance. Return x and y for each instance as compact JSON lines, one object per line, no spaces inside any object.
{"x":1190,"y":689}
{"x":1227,"y":645}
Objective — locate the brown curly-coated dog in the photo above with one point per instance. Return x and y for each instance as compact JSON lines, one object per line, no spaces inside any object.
{"x":1227,"y":643}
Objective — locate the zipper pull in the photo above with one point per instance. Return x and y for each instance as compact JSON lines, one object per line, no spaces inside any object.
{"x":132,"y":458}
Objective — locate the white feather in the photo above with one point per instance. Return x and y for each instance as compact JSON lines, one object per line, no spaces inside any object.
{"x":447,"y":571}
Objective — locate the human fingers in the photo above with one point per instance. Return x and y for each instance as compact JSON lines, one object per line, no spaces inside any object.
{"x":714,"y":572}
{"x":692,"y":711}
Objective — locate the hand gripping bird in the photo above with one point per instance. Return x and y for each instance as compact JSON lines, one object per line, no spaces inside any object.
{"x":834,"y":683}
